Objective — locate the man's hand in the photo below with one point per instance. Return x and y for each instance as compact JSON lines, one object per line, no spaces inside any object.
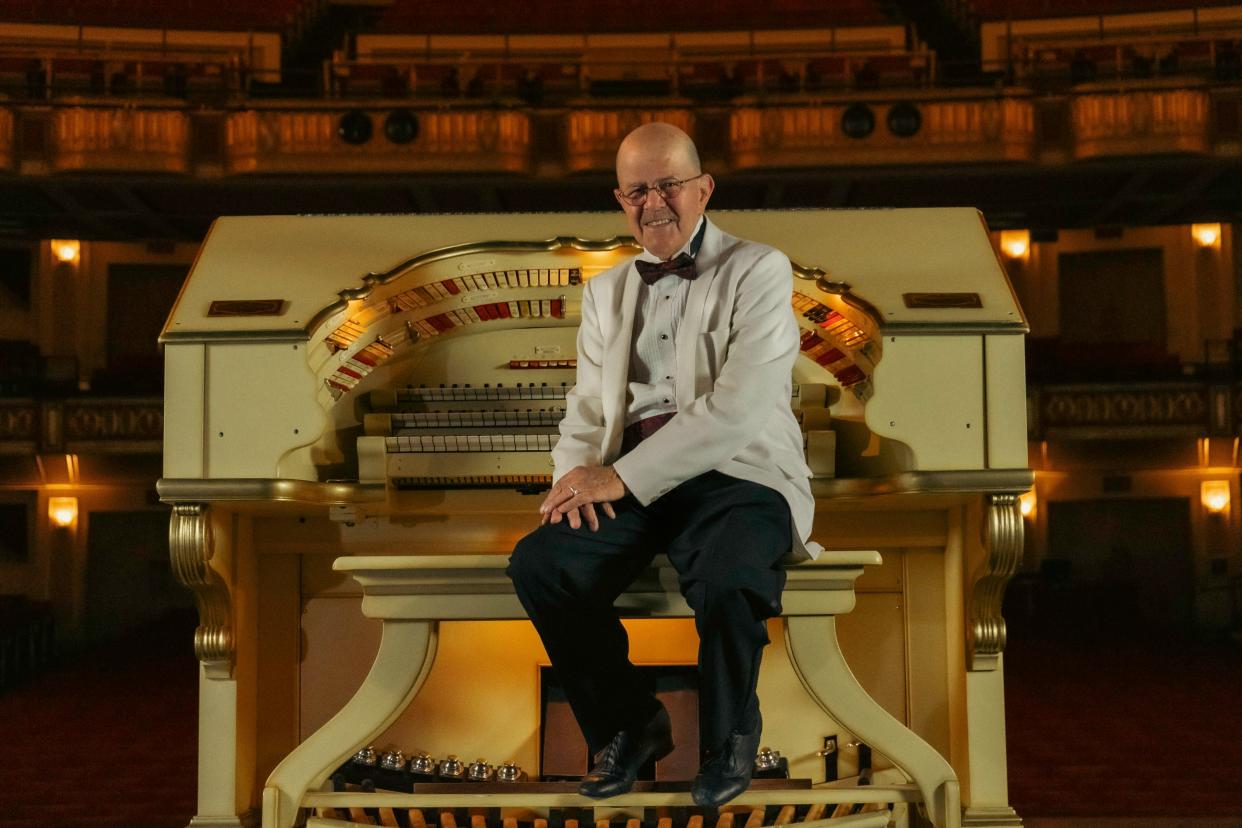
{"x":574,"y":496}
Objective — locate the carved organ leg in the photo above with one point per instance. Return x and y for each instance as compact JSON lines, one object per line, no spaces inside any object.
{"x":191,"y":551}
{"x":816,"y":657}
{"x":985,"y":685}
{"x":1002,"y":550}
{"x":406,"y":653}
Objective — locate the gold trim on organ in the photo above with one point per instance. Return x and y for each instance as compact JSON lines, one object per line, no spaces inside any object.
{"x":1002,"y":546}
{"x":190,"y":552}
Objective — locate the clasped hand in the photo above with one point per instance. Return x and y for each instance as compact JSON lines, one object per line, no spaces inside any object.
{"x":574,"y":496}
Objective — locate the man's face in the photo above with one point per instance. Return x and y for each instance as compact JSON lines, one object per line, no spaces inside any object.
{"x":662,"y":225}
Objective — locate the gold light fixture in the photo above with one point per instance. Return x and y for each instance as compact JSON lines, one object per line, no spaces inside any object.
{"x":1215,"y":496}
{"x":1206,"y":235}
{"x":67,"y":251}
{"x":1026,"y":504}
{"x":1015,"y":244}
{"x":62,"y":511}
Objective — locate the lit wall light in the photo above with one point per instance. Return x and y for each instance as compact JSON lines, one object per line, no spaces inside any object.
{"x":1215,"y":496}
{"x":1015,"y":244}
{"x":1026,"y":503}
{"x":62,"y":511}
{"x":67,"y":251}
{"x":1206,"y":235}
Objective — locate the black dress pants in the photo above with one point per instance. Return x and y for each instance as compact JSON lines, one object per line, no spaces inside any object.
{"x":726,"y":538}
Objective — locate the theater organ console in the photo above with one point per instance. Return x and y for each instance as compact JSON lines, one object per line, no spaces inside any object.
{"x":382,"y":391}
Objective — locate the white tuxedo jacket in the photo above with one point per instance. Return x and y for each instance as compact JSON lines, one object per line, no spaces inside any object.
{"x":735,"y":348}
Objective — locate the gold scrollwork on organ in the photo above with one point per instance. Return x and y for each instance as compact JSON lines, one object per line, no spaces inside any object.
{"x":191,"y":551}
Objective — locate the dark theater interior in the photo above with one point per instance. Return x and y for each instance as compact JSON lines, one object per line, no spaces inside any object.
{"x":1050,"y":632}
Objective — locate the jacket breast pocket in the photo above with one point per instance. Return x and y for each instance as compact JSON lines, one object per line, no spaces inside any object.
{"x":713,"y":349}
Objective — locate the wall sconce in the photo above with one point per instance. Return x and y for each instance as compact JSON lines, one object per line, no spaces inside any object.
{"x":1206,"y":235}
{"x":1026,"y":504}
{"x":1215,"y":496}
{"x":62,"y":511}
{"x":67,"y":251}
{"x":1015,"y":244}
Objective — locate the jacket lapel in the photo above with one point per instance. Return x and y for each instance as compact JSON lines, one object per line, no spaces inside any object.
{"x":615,"y":379}
{"x":692,"y":321}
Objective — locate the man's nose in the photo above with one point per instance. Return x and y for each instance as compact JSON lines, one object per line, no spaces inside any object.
{"x":660,"y":199}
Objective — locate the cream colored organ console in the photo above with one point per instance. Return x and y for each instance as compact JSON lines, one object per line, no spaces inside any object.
{"x":390,"y":385}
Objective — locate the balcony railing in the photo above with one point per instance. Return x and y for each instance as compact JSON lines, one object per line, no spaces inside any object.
{"x":910,"y":128}
{"x":459,"y":140}
{"x":593,"y":134}
{"x":894,"y":132}
{"x":1140,"y":122}
{"x":120,"y":138}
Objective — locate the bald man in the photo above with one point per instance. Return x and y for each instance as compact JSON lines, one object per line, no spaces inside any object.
{"x":678,"y":438}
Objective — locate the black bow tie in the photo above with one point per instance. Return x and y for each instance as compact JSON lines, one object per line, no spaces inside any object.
{"x":652,"y":272}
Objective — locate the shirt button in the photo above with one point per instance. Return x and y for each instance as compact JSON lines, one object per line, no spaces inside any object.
{"x":666,"y":400}
{"x":663,"y":336}
{"x":668,"y":377}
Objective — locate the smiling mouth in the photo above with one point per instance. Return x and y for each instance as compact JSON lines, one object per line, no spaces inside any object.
{"x":659,"y":222}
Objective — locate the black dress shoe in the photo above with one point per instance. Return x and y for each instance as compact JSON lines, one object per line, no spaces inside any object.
{"x":617,"y":765}
{"x":726,"y":772}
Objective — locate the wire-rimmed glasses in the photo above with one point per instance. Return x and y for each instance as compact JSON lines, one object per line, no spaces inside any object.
{"x":668,"y":189}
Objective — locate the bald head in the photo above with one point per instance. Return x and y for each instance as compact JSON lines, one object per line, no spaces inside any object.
{"x":658,"y":139}
{"x":653,"y":154}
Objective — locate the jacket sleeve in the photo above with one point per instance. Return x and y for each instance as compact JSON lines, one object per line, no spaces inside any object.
{"x":582,"y":428}
{"x":763,"y":344}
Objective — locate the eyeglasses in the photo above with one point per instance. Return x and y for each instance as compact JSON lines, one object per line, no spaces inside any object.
{"x":668,"y":190}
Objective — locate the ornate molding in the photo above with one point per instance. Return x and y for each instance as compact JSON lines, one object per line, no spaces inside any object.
{"x":1137,"y":409}
{"x":108,"y":420}
{"x":79,"y":424}
{"x":19,"y":421}
{"x":1002,"y":549}
{"x":190,"y":552}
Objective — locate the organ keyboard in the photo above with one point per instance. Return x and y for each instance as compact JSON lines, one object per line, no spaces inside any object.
{"x":487,"y":436}
{"x":346,"y":387}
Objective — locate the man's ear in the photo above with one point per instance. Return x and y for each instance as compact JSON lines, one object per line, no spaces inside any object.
{"x":707,"y":186}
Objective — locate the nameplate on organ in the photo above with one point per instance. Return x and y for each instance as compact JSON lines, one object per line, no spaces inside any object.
{"x":404,"y":402}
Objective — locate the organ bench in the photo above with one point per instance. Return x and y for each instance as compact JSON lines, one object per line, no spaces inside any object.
{"x":380,"y":391}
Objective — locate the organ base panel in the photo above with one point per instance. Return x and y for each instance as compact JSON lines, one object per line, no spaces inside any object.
{"x":372,"y":390}
{"x":409,"y":594}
